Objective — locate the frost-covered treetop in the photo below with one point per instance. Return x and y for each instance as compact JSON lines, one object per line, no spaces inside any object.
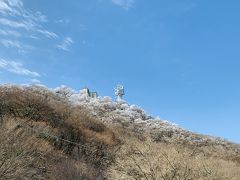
{"x":119,"y":109}
{"x":120,"y":112}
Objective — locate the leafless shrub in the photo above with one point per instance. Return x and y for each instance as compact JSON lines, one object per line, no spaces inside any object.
{"x":26,"y":103}
{"x":155,"y":161}
{"x":74,"y":170}
{"x":19,"y":156}
{"x":90,"y":148}
{"x":71,"y":123}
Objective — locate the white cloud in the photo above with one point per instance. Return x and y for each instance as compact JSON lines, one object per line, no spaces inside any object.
{"x":39,"y":17}
{"x":63,"y":21}
{"x":48,"y":34}
{"x":66,"y":44}
{"x":14,"y":3}
{"x":15,"y":44}
{"x":10,"y":33}
{"x":16,"y":24}
{"x":32,"y":22}
{"x":17,"y":68}
{"x":126,"y":4}
{"x":16,"y":8}
{"x":36,"y":81}
{"x":4,"y":7}
{"x":83,"y":27}
{"x":28,"y":26}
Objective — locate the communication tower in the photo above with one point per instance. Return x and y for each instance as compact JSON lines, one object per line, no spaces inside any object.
{"x":119,"y":92}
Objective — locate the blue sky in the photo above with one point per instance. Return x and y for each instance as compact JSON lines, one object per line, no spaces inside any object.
{"x":178,"y":59}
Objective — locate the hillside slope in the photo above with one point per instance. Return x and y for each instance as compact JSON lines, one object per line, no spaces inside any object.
{"x":63,"y":134}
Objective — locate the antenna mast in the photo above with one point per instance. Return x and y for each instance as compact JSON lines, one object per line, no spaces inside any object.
{"x":119,"y":92}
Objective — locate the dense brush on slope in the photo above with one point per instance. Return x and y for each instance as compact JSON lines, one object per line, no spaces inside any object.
{"x":43,"y":115}
{"x":139,"y":159}
{"x":61,"y":134}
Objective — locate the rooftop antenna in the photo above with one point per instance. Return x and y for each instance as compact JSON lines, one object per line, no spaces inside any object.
{"x":119,"y":92}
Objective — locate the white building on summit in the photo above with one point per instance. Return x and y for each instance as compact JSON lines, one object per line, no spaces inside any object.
{"x":85,"y":93}
{"x":88,"y":93}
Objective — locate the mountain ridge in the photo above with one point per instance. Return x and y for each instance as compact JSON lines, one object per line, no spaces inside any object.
{"x":115,"y":110}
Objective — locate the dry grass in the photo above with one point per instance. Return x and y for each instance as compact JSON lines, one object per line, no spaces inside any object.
{"x":98,"y":152}
{"x":44,"y":111}
{"x":22,"y":156}
{"x":74,"y":170}
{"x":150,"y":160}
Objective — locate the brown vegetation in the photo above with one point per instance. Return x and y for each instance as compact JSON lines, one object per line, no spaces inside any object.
{"x":52,"y":119}
{"x":42,"y":136}
{"x":139,"y":159}
{"x":22,"y":156}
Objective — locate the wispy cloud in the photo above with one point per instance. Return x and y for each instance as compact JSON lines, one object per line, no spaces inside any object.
{"x":16,"y":24}
{"x":16,"y":8}
{"x":83,"y":27}
{"x":32,"y":22}
{"x":35,"y":81}
{"x":66,"y":44}
{"x":17,"y":68}
{"x":20,"y":27}
{"x":125,"y":4}
{"x":4,"y":7}
{"x":15,"y":44}
{"x":10,"y":33}
{"x":48,"y":34}
{"x":63,"y":21}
